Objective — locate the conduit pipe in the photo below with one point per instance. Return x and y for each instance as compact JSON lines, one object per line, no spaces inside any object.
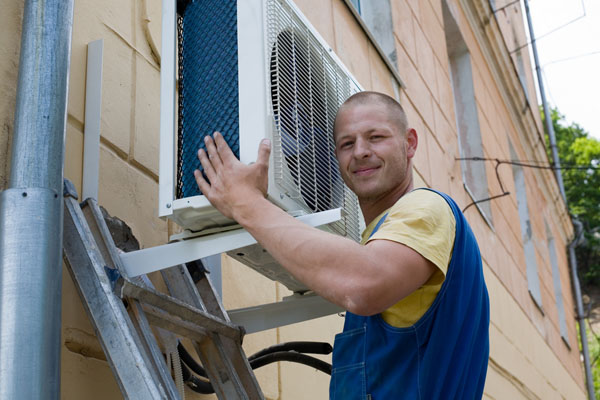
{"x":577,"y":224}
{"x":31,"y":208}
{"x":580,"y":313}
{"x":547,"y":116}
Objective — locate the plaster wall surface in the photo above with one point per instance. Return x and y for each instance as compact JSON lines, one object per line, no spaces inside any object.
{"x":528,"y":358}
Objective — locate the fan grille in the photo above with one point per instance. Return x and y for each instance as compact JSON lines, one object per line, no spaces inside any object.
{"x":307,"y":88}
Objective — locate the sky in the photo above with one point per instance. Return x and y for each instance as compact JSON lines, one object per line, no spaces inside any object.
{"x":570,"y":57}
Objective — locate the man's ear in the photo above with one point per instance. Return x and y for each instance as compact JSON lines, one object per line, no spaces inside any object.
{"x":412,"y":141}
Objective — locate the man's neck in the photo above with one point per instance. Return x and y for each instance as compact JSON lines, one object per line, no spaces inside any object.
{"x":371,"y":208}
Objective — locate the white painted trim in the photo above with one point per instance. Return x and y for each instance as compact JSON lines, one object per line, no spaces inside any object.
{"x":93,"y":114}
{"x":168,"y":79}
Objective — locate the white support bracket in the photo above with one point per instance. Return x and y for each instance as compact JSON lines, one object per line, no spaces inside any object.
{"x":156,"y":258}
{"x":292,"y":309}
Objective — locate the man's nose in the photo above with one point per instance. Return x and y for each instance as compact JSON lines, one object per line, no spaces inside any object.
{"x":362,"y":149}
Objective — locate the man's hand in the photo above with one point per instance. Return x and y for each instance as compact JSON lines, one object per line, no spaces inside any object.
{"x":233,"y":187}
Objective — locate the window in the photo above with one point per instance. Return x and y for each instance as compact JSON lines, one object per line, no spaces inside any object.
{"x":377,"y":15}
{"x":375,"y":18}
{"x":356,"y":4}
{"x":469,"y":134}
{"x":557,"y":286}
{"x":519,"y":61}
{"x":533,"y":280}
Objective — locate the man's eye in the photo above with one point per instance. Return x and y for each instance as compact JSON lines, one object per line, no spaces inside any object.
{"x":345,"y":145}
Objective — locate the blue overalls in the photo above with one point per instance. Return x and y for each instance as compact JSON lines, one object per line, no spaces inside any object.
{"x":444,"y":355}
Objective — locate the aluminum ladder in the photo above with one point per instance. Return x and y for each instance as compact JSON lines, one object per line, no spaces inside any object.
{"x":123,"y":312}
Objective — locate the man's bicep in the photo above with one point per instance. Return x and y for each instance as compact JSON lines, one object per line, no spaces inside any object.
{"x":401,"y":269}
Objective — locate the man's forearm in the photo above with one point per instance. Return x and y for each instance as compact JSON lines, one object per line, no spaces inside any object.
{"x":326,"y":263}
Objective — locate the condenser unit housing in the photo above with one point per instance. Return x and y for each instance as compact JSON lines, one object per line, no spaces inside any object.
{"x":253,"y":69}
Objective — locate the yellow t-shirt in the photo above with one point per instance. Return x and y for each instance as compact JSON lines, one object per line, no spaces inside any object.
{"x":423,"y":221}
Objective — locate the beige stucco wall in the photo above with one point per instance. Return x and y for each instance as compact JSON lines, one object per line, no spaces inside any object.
{"x":528,"y":357}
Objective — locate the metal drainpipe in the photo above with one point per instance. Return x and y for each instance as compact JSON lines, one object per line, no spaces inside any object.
{"x":580,"y":313}
{"x":31,"y":208}
{"x":576,"y":223}
{"x":548,"y":117}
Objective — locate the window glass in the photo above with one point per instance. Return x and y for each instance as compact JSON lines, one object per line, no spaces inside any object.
{"x":377,"y":15}
{"x":533,"y":280}
{"x":467,"y":120}
{"x":557,"y":285}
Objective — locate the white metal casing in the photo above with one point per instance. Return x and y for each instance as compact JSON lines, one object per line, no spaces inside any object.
{"x":256,"y":119}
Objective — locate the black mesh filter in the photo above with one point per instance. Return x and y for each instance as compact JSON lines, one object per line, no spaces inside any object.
{"x":208,"y":77}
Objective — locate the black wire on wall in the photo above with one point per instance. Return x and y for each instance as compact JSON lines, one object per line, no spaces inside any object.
{"x":520,"y":163}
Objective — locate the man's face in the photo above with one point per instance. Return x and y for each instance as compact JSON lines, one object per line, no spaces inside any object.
{"x":373,"y":155}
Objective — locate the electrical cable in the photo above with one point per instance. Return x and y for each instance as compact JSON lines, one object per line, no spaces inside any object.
{"x":300,"y":347}
{"x":584,"y":14}
{"x":521,"y":163}
{"x":504,"y":192}
{"x":291,"y":356}
{"x":194,"y":383}
{"x":591,"y":53}
{"x":193,"y":373}
{"x":530,"y":163}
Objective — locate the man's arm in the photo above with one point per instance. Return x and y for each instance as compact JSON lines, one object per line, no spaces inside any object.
{"x":364,"y":280}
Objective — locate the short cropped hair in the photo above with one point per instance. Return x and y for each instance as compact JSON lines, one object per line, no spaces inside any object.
{"x":395,"y":111}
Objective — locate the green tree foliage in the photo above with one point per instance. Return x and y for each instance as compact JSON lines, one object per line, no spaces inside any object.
{"x":582,"y":187}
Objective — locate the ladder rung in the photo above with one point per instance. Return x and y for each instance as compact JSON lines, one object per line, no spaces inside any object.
{"x":171,"y":305}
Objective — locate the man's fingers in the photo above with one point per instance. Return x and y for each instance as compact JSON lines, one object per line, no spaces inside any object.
{"x":223,"y":148}
{"x":206,"y":164}
{"x":202,"y":184}
{"x":213,"y":153}
{"x":264,"y":150}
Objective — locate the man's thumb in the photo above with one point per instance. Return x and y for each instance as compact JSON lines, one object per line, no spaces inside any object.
{"x":264,"y":150}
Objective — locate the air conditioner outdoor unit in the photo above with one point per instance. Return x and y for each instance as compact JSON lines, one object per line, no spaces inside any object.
{"x":253,"y":69}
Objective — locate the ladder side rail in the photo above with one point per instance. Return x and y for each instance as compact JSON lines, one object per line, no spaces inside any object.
{"x":209,"y":298}
{"x":183,"y":288}
{"x":119,"y":340}
{"x":106,"y":246}
{"x":236,"y":353}
{"x":220,"y":353}
{"x":142,"y":326}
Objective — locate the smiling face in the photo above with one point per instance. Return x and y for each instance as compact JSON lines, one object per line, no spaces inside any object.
{"x":374,"y":152}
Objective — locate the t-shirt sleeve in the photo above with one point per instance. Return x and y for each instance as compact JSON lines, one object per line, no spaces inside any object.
{"x":423,"y":221}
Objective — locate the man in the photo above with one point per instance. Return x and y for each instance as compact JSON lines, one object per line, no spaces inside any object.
{"x":418,"y":311}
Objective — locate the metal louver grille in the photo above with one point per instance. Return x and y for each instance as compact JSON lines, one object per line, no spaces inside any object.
{"x":307,"y":87}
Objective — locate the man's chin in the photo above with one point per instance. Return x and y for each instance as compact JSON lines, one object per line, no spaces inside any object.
{"x":366,"y":194}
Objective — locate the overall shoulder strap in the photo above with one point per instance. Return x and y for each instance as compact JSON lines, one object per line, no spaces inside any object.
{"x":378,"y":224}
